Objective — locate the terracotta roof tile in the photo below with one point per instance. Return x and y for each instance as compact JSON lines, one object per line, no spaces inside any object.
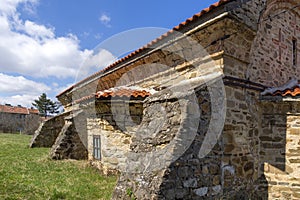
{"x":17,"y":110}
{"x":290,"y":90}
{"x":122,"y":93}
{"x":176,"y":28}
{"x":33,"y":111}
{"x":294,"y":91}
{"x":116,"y":92}
{"x":85,"y":98}
{"x":66,"y":90}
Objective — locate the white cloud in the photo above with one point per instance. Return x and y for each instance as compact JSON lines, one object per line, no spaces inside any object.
{"x":58,"y":89}
{"x":95,"y":62}
{"x":19,"y":90}
{"x":34,"y":50}
{"x":24,"y":100}
{"x":54,"y":84}
{"x":10,"y":6}
{"x":105,"y":19}
{"x":30,"y":8}
{"x":19,"y":84}
{"x":38,"y":31}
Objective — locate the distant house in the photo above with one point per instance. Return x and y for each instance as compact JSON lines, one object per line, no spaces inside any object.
{"x":18,"y":119}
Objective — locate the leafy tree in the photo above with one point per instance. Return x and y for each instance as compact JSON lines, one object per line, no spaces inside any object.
{"x":46,"y":106}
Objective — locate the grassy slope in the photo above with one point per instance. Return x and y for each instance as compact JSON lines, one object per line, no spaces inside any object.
{"x":28,"y":174}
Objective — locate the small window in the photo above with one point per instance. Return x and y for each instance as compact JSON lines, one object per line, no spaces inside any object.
{"x":294,"y":52}
{"x":97,"y":147}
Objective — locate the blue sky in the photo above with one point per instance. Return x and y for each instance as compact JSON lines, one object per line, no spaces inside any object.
{"x":44,"y":43}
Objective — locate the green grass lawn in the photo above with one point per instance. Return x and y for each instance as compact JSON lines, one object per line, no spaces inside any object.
{"x":27,"y":173}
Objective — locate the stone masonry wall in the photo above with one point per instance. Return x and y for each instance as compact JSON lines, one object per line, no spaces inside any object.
{"x":114,"y":123}
{"x":231,"y":170}
{"x":241,"y":144}
{"x":191,"y":175}
{"x":48,"y":131}
{"x":249,"y":12}
{"x":19,"y":123}
{"x":237,"y":49}
{"x":164,"y":160}
{"x":272,"y":51}
{"x":280,"y":149}
{"x":70,"y":142}
{"x":157,"y":143}
{"x":32,"y":123}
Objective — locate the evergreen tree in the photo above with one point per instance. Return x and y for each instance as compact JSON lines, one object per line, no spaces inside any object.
{"x":54,"y":107}
{"x":46,"y":106}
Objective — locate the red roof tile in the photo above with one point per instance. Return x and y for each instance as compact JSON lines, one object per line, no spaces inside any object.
{"x":33,"y":111}
{"x":85,"y":98}
{"x":176,"y":28}
{"x":291,"y":88}
{"x":295,"y":91}
{"x":122,"y":93}
{"x":116,"y":92}
{"x":68,"y":89}
{"x":17,"y":110}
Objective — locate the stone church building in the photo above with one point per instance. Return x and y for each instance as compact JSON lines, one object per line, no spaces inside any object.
{"x":209,"y":110}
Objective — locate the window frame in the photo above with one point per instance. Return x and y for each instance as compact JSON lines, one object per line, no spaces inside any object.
{"x":97,"y":147}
